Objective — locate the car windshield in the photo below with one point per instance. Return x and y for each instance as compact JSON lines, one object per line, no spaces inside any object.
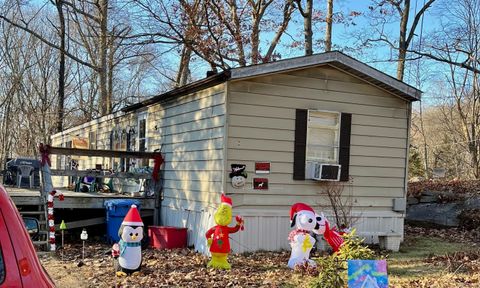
{"x":2,"y":267}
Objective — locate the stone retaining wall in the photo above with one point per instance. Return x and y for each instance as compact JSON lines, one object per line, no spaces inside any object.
{"x":439,"y":208}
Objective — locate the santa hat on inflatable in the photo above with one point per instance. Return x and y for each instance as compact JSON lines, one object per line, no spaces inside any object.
{"x":133,"y":217}
{"x":296,"y":208}
{"x":226,"y":200}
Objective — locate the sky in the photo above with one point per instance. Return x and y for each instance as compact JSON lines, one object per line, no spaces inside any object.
{"x":342,"y":37}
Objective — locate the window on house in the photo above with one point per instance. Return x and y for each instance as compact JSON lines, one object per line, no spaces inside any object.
{"x":323,"y":133}
{"x":322,"y":137}
{"x":92,"y":139}
{"x":142,"y":133}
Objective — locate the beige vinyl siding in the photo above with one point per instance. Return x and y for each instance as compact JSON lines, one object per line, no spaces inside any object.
{"x":190,"y":132}
{"x":261,"y":128}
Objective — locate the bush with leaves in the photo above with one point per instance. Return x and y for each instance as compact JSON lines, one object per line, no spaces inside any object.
{"x":331,"y":273}
{"x":353,"y":248}
{"x":332,"y":269}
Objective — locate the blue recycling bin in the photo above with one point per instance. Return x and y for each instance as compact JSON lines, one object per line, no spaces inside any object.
{"x":116,"y":211}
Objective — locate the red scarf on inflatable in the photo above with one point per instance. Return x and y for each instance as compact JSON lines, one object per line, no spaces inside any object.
{"x":332,"y":237}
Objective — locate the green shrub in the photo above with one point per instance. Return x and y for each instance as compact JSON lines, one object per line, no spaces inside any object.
{"x":332,"y":269}
{"x":353,"y":248}
{"x":331,"y":273}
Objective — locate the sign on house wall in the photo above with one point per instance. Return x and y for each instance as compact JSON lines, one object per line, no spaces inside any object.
{"x":80,"y":142}
{"x":260,"y":183}
{"x":262,"y":167}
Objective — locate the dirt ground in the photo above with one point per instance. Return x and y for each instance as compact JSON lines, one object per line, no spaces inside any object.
{"x":428,"y":258}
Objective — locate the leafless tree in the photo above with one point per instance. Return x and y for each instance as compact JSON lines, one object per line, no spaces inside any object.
{"x":328,"y":29}
{"x":384,"y":12}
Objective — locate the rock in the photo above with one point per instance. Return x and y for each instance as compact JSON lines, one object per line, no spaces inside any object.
{"x":412,"y":200}
{"x":428,"y":199}
{"x":435,"y":214}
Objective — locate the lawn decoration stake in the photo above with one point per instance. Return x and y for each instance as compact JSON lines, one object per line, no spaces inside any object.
{"x":305,"y":220}
{"x":129,"y":248}
{"x":63,"y":226}
{"x":217,"y":236}
{"x":84,"y":237}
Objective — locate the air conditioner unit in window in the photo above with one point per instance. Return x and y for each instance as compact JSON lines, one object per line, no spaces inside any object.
{"x":323,"y":172}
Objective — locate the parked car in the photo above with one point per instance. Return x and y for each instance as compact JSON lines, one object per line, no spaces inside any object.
{"x":19,"y":264}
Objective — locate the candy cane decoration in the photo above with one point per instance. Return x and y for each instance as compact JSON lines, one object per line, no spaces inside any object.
{"x":48,"y":188}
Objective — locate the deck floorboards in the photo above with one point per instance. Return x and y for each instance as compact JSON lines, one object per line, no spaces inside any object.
{"x":74,"y":200}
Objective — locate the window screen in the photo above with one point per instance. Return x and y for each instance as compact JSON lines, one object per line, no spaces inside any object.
{"x":141,"y":135}
{"x":323,"y":136}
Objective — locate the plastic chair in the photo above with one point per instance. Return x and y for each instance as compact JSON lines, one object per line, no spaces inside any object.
{"x":24,"y":171}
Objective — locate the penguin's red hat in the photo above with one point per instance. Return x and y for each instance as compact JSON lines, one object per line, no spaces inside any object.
{"x":226,"y":200}
{"x":133,"y":217}
{"x":297,"y":207}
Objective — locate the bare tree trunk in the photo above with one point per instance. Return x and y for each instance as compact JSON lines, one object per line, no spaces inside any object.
{"x":402,"y":46}
{"x":105,"y":101}
{"x":307,"y":25}
{"x":184,"y":69}
{"x":111,"y":66}
{"x":425,"y":148}
{"x":61,"y":68}
{"x":328,"y":29}
{"x":288,"y":9}
{"x":238,"y":33}
{"x":255,"y":38}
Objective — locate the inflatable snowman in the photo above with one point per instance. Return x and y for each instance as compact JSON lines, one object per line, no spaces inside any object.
{"x":129,"y":248}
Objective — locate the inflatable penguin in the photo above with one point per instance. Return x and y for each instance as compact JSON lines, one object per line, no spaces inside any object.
{"x":130,"y":244}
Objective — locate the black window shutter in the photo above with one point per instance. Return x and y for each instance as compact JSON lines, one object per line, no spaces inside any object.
{"x":344,"y":153}
{"x":300,"y":144}
{"x":111,"y":140}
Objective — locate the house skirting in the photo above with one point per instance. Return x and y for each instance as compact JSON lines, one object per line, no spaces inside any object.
{"x":268,"y":230}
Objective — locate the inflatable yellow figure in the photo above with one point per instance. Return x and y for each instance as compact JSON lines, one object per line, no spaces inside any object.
{"x":217,"y":236}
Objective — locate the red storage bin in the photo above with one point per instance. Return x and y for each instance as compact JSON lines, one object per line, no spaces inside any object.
{"x":167,"y":237}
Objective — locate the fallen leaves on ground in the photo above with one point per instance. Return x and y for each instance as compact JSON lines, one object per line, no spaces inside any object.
{"x":455,"y":234}
{"x":457,"y":187}
{"x":186,"y":268}
{"x":169,"y":268}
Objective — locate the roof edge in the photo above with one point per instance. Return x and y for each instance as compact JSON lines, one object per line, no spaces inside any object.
{"x":369,"y":73}
{"x":183,"y":90}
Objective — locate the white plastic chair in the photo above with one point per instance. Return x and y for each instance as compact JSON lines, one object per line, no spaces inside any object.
{"x":24,"y":171}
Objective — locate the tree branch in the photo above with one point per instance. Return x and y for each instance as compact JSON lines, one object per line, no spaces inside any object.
{"x":45,"y":41}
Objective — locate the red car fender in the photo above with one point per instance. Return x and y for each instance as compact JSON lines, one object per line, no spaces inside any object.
{"x":28,"y":266}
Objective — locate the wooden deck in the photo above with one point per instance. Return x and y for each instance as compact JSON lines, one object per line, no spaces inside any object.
{"x":74,"y":200}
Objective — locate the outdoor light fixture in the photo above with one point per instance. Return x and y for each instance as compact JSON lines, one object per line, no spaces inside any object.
{"x":83,"y":236}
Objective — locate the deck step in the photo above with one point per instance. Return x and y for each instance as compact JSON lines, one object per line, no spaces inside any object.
{"x":32,"y":212}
